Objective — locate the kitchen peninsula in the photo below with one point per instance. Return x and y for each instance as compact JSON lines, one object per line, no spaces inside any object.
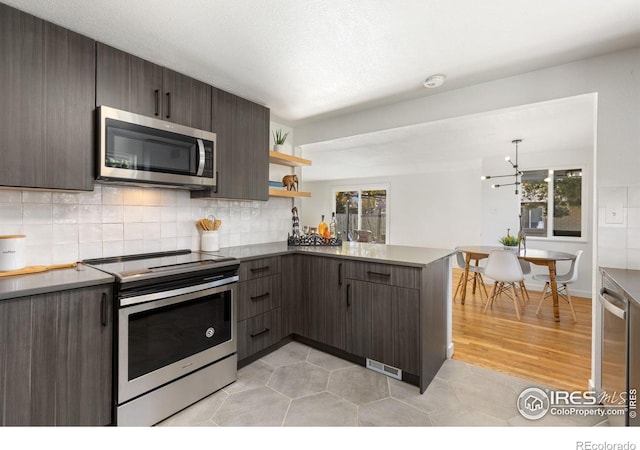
{"x":377,"y":305}
{"x":384,"y":306}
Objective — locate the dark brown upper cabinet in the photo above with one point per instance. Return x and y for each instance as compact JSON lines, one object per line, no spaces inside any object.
{"x":127,"y":82}
{"x":242,"y":136}
{"x":47,"y":87}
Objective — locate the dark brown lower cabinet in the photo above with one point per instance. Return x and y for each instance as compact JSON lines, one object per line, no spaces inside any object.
{"x":259,"y":332}
{"x":323,"y":300}
{"x":55,"y":358}
{"x":383,"y":324}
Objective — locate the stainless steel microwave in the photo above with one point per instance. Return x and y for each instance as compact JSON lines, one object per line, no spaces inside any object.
{"x":139,"y":149}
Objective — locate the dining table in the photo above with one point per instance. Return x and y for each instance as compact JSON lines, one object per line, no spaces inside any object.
{"x":539,"y":257}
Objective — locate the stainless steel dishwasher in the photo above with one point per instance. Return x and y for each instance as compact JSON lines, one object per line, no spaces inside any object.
{"x":620,"y":358}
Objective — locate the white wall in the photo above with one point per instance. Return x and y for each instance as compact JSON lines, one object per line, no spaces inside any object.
{"x":64,"y":227}
{"x":438,"y":209}
{"x":615,"y":77}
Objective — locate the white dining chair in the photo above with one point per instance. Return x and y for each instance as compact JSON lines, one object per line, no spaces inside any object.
{"x":504,"y":268}
{"x":477,"y":276}
{"x":562,"y":282}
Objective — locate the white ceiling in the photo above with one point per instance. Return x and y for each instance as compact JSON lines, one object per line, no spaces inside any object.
{"x":562,"y":125}
{"x":311,"y":58}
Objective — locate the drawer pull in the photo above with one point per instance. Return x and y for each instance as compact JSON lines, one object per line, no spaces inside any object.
{"x":261,"y":296}
{"x":260,"y":269}
{"x":378,"y":274}
{"x":266,"y":330}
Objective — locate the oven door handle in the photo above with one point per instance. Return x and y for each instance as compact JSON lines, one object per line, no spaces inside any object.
{"x":134,"y":300}
{"x":613,"y":309}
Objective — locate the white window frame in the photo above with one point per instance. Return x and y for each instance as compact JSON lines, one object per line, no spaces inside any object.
{"x":584,"y":222}
{"x":360,"y":188}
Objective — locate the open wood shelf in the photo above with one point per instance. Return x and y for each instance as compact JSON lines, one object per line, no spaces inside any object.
{"x":287,"y":160}
{"x":284,"y":193}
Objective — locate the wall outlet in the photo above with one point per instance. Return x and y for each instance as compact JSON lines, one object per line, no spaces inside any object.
{"x":614,"y":214}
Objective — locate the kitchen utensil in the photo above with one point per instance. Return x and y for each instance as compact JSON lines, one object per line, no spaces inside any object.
{"x":206,"y":224}
{"x":37,"y":269}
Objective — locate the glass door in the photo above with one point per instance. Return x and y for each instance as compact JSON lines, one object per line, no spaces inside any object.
{"x":362,"y":214}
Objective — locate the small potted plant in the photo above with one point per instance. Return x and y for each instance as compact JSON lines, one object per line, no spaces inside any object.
{"x":279,"y":138}
{"x":509,"y":242}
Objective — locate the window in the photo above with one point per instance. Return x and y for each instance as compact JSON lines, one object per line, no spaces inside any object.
{"x":362,"y":209}
{"x":565,"y":202}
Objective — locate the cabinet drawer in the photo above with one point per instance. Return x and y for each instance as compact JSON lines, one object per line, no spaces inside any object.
{"x":257,"y":268}
{"x":259,"y":332}
{"x":402,"y":276}
{"x":258,"y":296}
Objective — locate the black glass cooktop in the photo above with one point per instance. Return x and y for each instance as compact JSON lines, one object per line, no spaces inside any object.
{"x":156,"y":264}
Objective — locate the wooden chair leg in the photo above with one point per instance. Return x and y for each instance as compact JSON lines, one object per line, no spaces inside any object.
{"x":515,"y":300}
{"x":544,"y":293}
{"x":525,"y":292}
{"x":482,"y":285}
{"x":573,"y":312}
{"x":491,"y":296}
{"x":455,"y":295}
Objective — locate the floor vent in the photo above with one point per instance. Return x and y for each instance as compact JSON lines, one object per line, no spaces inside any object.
{"x":384,"y":369}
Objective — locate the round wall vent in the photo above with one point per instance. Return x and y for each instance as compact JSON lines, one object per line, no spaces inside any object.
{"x":434,"y":81}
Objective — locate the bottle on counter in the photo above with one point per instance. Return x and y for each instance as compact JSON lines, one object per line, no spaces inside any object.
{"x":322,"y":227}
{"x":332,"y":226}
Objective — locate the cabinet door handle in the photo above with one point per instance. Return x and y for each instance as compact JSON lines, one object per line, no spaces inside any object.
{"x":258,"y":333}
{"x":340,"y":274}
{"x":168,"y":105}
{"x":260,"y":269}
{"x":104,"y":311}
{"x":157,"y":94}
{"x":348,"y":295}
{"x":261,"y":296}
{"x":378,"y":274}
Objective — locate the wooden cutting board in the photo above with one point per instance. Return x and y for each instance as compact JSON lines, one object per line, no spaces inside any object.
{"x":37,"y":269}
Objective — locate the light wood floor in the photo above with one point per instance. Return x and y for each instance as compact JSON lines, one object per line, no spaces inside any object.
{"x":557,"y":354}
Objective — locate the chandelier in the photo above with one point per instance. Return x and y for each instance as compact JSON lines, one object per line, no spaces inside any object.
{"x":516,"y":175}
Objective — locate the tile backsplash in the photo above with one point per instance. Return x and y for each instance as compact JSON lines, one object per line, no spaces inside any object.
{"x":619,"y":227}
{"x":63,"y":227}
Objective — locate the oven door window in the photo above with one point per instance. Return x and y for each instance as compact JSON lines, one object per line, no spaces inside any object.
{"x":161,"y":336}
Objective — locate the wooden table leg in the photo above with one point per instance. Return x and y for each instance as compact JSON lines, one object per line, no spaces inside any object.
{"x":467,"y":261}
{"x":473,"y":290}
{"x":554,"y":289}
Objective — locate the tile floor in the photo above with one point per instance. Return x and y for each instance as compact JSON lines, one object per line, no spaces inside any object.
{"x":297,"y":385}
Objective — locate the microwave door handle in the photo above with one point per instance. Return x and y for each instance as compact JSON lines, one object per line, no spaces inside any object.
{"x":201,"y":157}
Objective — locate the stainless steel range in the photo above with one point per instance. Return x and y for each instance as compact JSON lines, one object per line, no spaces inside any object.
{"x":175,"y":335}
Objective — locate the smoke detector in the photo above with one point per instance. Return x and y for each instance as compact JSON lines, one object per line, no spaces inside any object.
{"x":434,"y":81}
